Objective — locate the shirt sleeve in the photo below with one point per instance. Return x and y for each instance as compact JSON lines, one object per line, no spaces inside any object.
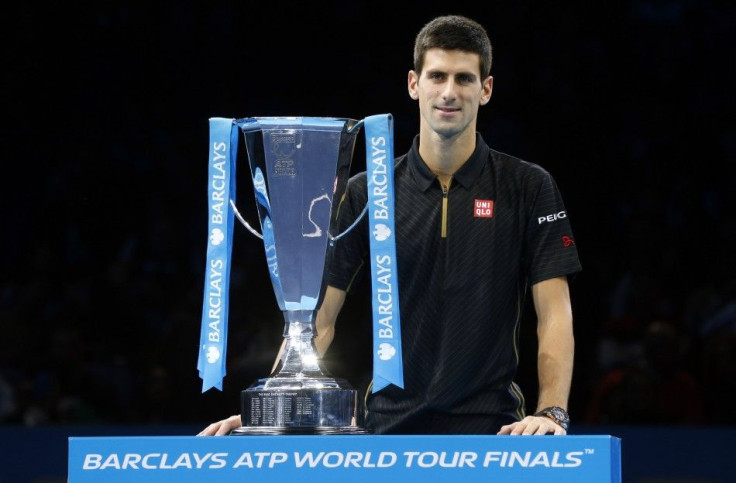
{"x":348,"y":252}
{"x":550,"y":249}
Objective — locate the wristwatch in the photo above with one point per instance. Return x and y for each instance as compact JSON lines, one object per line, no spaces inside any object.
{"x":556,"y":414}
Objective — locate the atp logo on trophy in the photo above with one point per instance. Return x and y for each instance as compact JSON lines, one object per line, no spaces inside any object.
{"x":283,"y":147}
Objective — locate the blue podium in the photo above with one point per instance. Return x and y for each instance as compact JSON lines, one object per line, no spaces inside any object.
{"x":353,"y":458}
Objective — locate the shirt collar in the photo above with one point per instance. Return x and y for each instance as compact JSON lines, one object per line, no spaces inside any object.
{"x":465,"y":176}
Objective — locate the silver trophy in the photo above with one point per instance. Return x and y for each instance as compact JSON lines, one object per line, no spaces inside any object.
{"x":300,"y":167}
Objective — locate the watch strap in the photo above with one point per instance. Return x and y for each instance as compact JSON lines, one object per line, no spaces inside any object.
{"x":556,"y":414}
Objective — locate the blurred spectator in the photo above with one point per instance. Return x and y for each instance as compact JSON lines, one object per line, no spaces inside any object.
{"x":718,"y":375}
{"x":655,"y":389}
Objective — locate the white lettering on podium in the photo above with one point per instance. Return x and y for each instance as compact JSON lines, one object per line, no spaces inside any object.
{"x":92,"y":461}
{"x":429,"y":459}
{"x":336,"y":459}
{"x":262,"y":459}
{"x":153,"y":461}
{"x":509,"y":459}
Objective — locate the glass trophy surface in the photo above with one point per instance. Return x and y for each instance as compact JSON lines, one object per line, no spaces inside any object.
{"x":300,"y":167}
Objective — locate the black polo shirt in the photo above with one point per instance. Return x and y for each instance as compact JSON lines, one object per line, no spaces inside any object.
{"x":466,"y":257}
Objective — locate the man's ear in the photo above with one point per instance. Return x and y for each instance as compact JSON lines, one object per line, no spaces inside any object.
{"x":412,"y":82}
{"x":487,"y":90}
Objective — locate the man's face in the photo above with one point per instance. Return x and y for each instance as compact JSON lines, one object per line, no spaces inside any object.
{"x":450,"y":91}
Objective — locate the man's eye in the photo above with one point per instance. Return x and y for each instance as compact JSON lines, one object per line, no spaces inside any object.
{"x":436,"y":76}
{"x":465,"y":79}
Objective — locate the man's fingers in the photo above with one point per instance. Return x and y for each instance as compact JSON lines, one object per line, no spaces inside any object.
{"x":222,"y":428}
{"x":209,"y":430}
{"x":532,"y":428}
{"x":532,"y":425}
{"x":506,"y":429}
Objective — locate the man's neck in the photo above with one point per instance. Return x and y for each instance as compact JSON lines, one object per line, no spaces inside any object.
{"x":445,"y":156}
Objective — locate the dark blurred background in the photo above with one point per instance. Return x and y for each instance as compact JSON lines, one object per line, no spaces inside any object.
{"x":629,"y":104}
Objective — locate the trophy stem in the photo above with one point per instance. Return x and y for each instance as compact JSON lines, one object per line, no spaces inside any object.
{"x":300,"y":358}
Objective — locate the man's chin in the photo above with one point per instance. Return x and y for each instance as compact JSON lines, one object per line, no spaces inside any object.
{"x":447,"y":130}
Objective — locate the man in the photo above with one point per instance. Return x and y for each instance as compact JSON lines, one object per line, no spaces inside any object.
{"x":474,"y":229}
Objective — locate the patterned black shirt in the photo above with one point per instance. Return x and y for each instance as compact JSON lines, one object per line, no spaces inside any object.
{"x":466,"y":257}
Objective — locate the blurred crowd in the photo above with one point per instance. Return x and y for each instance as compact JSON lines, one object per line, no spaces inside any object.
{"x":108,"y":333}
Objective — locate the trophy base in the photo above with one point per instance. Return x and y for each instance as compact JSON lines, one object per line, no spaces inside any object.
{"x":282,"y":431}
{"x":305,"y":405}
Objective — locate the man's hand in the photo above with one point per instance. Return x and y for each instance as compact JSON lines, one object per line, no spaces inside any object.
{"x":533,"y":425}
{"x":222,"y":428}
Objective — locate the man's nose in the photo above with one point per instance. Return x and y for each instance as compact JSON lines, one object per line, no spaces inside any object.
{"x":448,"y":92}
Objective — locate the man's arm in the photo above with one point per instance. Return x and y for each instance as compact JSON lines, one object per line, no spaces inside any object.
{"x":325,"y":327}
{"x":555,"y":355}
{"x":327,"y":317}
{"x":556,"y":342}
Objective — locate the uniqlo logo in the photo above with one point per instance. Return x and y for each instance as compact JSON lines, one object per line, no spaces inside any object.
{"x":483,"y":209}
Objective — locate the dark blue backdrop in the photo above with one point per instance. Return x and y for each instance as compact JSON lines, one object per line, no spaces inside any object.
{"x":629,"y":105}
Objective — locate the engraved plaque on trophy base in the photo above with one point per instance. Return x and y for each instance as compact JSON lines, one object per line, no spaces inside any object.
{"x":280,"y":405}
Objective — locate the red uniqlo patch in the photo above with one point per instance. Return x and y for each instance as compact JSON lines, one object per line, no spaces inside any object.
{"x":483,"y":209}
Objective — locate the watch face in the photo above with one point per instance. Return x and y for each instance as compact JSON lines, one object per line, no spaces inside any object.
{"x":560,"y":415}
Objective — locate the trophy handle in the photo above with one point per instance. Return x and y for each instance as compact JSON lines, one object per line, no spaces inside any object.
{"x":245,"y":223}
{"x":332,"y":239}
{"x":356,"y":126}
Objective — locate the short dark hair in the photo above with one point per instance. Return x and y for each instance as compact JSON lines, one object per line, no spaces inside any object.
{"x":454,"y":32}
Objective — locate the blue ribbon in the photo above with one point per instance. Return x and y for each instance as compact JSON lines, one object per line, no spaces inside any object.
{"x":387,"y":355}
{"x":220,"y":216}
